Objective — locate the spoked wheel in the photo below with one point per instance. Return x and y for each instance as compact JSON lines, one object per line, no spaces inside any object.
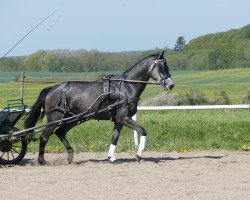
{"x":12,"y":150}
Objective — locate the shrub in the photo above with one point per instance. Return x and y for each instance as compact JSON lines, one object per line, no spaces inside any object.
{"x":221,"y":98}
{"x":195,"y":97}
{"x":246,"y":98}
{"x":164,"y":99}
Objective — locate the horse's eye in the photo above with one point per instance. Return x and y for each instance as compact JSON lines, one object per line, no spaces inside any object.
{"x":162,"y":66}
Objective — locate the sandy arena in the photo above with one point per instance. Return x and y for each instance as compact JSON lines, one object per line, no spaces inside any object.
{"x":193,"y":175}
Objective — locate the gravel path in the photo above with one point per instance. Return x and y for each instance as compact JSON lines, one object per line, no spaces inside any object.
{"x":192,"y":175}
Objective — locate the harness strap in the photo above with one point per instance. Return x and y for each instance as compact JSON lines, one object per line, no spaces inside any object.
{"x":133,"y":100}
{"x":106,"y":84}
{"x":66,"y":108}
{"x":106,"y":91}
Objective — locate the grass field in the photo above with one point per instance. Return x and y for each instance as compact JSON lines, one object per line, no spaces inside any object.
{"x":182,"y":130}
{"x":235,"y":82}
{"x":167,"y":130}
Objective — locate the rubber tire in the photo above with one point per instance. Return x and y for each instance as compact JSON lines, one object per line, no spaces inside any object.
{"x":17,"y":159}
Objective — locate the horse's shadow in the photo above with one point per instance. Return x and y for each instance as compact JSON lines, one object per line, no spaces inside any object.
{"x":25,"y":161}
{"x":163,"y":159}
{"x":155,"y":160}
{"x":149,"y":159}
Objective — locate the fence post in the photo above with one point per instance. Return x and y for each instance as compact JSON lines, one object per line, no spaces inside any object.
{"x":135,"y":134}
{"x":22,"y":85}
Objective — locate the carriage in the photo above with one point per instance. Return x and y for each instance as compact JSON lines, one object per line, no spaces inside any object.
{"x":12,"y":148}
{"x":14,"y":142}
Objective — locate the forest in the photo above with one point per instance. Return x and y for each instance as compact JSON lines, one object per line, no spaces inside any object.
{"x":223,"y":50}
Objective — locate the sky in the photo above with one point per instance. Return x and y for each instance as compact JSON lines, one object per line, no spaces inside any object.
{"x":113,"y":25}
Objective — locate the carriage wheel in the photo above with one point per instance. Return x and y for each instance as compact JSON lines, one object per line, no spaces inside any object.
{"x":12,"y":150}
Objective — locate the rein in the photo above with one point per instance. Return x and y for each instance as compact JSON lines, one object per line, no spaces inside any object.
{"x":133,"y":81}
{"x":137,"y":81}
{"x":151,"y":68}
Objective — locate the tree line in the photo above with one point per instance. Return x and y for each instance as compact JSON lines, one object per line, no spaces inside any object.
{"x":230,"y":49}
{"x":73,"y":61}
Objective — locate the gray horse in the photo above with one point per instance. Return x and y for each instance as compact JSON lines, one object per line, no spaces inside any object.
{"x":115,"y":96}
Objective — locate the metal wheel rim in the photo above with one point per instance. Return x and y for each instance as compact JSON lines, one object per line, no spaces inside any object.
{"x":14,"y":150}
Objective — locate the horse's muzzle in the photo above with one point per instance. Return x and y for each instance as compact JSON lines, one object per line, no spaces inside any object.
{"x":167,"y":84}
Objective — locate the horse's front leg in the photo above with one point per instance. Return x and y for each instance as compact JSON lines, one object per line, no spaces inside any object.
{"x":129,"y":122}
{"x":114,"y":140}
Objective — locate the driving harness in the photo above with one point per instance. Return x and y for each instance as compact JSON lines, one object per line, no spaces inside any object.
{"x":106,"y":90}
{"x":63,"y":106}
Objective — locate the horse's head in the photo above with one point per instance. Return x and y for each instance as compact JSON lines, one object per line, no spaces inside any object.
{"x":159,"y":71}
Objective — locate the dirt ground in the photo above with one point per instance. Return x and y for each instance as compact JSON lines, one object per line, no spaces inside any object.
{"x":193,"y":175}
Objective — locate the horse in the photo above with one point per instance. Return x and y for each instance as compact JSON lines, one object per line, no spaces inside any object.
{"x":113,"y":98}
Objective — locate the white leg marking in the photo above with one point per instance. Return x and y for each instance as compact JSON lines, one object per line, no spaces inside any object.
{"x":135,"y":134}
{"x":142,"y":146}
{"x":111,"y":153}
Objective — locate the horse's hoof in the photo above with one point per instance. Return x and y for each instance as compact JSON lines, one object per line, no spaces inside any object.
{"x":138,"y":158}
{"x":41,"y":161}
{"x":112,"y":159}
{"x":70,"y":158}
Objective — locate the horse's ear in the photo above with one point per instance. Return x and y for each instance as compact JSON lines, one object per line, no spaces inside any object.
{"x":161,"y":56}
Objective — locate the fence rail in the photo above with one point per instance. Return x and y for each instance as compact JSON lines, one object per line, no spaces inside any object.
{"x":196,"y":107}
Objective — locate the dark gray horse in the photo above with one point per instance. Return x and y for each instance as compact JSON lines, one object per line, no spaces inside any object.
{"x":115,"y":98}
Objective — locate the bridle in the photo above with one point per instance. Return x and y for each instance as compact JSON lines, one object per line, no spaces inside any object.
{"x":152,"y":67}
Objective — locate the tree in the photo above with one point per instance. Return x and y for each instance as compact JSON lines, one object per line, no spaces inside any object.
{"x":180,"y":44}
{"x":8,"y":64}
{"x":213,"y":58}
{"x":34,"y":62}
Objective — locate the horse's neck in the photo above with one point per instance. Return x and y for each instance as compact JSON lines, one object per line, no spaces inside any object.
{"x":140,"y":73}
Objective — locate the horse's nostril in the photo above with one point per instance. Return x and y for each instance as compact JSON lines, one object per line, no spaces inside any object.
{"x":171,"y":86}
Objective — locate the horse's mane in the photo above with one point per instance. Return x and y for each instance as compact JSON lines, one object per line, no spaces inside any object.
{"x":128,"y":70}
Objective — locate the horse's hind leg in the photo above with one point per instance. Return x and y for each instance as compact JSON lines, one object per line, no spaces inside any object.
{"x":61,"y":133}
{"x":43,"y":141}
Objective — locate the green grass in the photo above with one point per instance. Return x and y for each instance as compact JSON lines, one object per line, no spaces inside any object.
{"x":183,"y":130}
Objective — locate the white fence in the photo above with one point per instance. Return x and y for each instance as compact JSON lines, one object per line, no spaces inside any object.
{"x":198,"y":107}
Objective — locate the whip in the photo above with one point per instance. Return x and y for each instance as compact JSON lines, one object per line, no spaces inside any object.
{"x":30,"y":31}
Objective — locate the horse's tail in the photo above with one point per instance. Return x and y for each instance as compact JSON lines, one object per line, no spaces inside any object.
{"x":35,"y":113}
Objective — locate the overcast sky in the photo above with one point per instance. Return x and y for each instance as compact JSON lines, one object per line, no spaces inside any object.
{"x":114,"y":25}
